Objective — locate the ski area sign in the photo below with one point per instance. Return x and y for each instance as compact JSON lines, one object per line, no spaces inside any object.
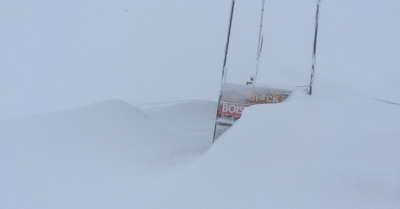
{"x":234,"y":98}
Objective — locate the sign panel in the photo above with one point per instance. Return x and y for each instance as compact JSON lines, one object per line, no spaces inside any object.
{"x":235,"y":98}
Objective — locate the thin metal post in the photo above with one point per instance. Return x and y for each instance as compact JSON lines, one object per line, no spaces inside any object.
{"x":260,"y":42}
{"x":314,"y":56}
{"x":223,"y":77}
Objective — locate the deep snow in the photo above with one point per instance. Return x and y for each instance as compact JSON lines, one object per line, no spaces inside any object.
{"x":104,"y":155}
{"x":335,"y":149}
{"x":324,"y":151}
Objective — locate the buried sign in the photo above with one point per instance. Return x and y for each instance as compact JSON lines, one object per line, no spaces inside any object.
{"x":235,"y":98}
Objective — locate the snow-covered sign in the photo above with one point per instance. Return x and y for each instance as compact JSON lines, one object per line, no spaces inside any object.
{"x":235,"y":98}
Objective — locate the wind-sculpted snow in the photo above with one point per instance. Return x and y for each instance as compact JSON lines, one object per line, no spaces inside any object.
{"x":324,"y":151}
{"x":100,"y":156}
{"x":184,"y":116}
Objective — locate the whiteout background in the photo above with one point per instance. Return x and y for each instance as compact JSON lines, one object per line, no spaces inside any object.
{"x":56,"y":55}
{"x":335,"y":149}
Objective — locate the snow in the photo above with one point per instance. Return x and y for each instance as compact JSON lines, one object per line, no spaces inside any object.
{"x":308,"y":152}
{"x":324,"y":151}
{"x":112,"y":105}
{"x":95,"y":156}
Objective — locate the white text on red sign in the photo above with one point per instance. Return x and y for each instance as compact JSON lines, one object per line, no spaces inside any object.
{"x":232,"y":109}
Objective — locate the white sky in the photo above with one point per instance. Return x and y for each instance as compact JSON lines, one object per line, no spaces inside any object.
{"x":58,"y":55}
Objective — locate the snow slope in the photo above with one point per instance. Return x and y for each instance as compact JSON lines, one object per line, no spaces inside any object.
{"x":183,"y":116}
{"x":99,"y":156}
{"x":324,"y":151}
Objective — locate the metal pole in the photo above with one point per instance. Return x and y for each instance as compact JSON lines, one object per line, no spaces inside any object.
{"x":260,"y":42}
{"x":314,"y":56}
{"x":223,"y":77}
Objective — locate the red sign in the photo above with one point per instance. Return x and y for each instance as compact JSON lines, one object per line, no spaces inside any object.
{"x":231,"y":109}
{"x":234,"y":98}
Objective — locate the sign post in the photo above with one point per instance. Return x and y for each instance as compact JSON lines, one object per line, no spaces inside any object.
{"x":314,"y":56}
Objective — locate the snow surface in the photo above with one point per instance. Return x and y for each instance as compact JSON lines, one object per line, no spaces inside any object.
{"x":65,"y":143}
{"x":104,"y":155}
{"x":324,"y":151}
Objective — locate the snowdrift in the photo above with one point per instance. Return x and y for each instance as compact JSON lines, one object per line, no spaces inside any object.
{"x":100,"y":156}
{"x":324,"y":151}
